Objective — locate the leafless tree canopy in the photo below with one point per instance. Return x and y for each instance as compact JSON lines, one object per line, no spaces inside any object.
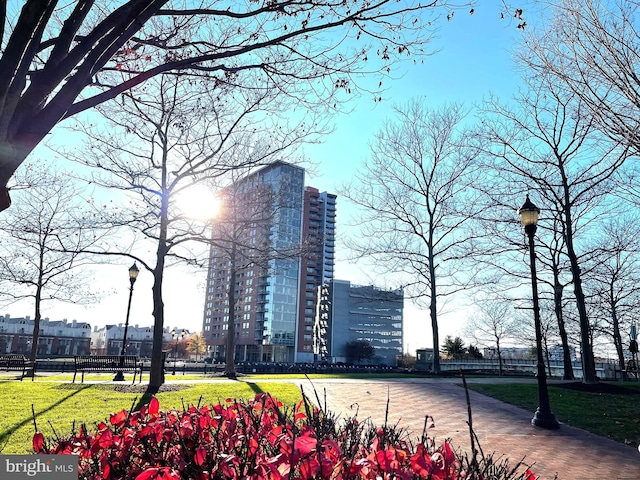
{"x":593,"y":48}
{"x":42,"y":243}
{"x":415,"y":197}
{"x":59,"y":59}
{"x":162,"y":140}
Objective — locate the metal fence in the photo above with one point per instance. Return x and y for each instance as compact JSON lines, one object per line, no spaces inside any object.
{"x":604,"y":370}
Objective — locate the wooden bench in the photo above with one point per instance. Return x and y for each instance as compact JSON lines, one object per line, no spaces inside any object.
{"x":107,"y":363}
{"x":17,"y":362}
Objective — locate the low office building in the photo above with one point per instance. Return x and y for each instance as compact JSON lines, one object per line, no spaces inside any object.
{"x":347,"y":313}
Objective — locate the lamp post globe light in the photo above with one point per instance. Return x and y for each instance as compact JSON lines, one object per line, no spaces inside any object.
{"x":543,"y":417}
{"x":133,"y":275}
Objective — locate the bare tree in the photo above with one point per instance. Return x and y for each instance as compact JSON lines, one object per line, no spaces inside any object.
{"x":43,"y":239}
{"x":550,"y":143}
{"x":165,"y":139}
{"x":592,"y":47}
{"x":415,"y":197}
{"x":241,"y":238}
{"x":58,"y":60}
{"x":553,"y":259}
{"x":493,"y":323}
{"x":615,"y":281}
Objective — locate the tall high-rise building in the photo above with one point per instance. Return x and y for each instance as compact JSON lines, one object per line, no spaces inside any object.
{"x":272,"y":244}
{"x":317,"y":262}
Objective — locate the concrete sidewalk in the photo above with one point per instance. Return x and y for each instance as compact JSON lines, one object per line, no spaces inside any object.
{"x":569,"y":452}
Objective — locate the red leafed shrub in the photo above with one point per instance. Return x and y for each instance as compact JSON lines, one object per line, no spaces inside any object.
{"x":258,"y":439}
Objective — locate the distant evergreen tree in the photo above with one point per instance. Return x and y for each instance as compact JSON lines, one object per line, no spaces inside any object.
{"x":359,"y":350}
{"x":453,"y":347}
{"x":474,"y":352}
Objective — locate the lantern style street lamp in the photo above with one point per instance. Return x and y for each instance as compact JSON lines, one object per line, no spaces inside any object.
{"x":175,"y":336}
{"x":543,"y":417}
{"x":133,"y":275}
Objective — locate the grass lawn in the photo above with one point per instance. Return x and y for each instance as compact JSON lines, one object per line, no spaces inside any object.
{"x":612,"y":415}
{"x":58,"y":404}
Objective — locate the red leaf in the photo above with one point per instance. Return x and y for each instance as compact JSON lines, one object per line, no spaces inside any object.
{"x":105,"y":440}
{"x":148,"y":474}
{"x":529,"y":475}
{"x":304,"y":445}
{"x":154,"y":406}
{"x":200,"y":456}
{"x":448,"y":453}
{"x":118,"y":418}
{"x":38,"y":442}
{"x":309,"y":468}
{"x":167,"y":473}
{"x":421,"y":464}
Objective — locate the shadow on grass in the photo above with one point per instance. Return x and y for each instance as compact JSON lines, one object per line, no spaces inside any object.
{"x":254,"y":386}
{"x":6,"y":434}
{"x":146,"y":397}
{"x":151,"y":391}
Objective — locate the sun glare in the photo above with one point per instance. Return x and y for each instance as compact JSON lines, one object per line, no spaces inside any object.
{"x":198,"y":203}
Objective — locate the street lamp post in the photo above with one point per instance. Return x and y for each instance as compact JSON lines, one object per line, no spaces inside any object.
{"x":175,"y":336}
{"x":543,"y":417}
{"x":133,"y":275}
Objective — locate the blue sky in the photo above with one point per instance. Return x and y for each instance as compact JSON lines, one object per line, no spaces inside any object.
{"x":473,"y":59}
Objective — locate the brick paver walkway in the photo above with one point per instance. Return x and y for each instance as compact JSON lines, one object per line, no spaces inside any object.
{"x":569,"y":452}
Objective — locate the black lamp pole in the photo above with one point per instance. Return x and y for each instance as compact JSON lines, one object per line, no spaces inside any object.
{"x":175,"y":335}
{"x":133,"y":275}
{"x":543,"y":417}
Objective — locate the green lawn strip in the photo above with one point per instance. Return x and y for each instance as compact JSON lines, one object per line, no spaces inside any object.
{"x":106,"y":377}
{"x":58,"y":405}
{"x":609,"y":415}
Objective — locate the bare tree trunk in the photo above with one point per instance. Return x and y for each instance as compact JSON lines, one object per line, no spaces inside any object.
{"x":433,"y":310}
{"x":588,"y":362}
{"x":38,"y":315}
{"x":617,"y":339}
{"x":36,"y":324}
{"x":434,"y":329}
{"x":156,"y":376}
{"x":564,"y":339}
